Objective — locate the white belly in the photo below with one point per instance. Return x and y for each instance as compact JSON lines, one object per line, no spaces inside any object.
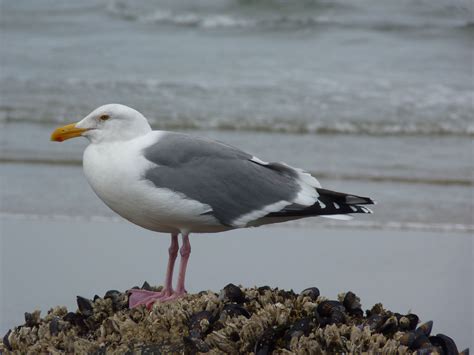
{"x":115,"y":172}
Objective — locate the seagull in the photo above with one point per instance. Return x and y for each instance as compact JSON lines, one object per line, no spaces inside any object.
{"x":177,"y":183}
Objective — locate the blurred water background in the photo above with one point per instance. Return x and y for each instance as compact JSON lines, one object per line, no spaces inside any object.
{"x":373,"y":97}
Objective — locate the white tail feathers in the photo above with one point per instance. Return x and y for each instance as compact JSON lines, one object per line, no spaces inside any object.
{"x":341,"y":217}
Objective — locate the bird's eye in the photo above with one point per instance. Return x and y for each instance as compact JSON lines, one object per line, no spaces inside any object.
{"x":104,"y":117}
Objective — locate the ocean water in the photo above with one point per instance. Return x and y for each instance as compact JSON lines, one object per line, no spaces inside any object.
{"x":355,"y":67}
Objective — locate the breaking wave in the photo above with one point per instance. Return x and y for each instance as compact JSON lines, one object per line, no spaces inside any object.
{"x":349,"y":128}
{"x":268,"y":17}
{"x":321,"y":128}
{"x":327,"y":107}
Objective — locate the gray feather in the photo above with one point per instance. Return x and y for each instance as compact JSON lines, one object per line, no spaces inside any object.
{"x":218,"y":175}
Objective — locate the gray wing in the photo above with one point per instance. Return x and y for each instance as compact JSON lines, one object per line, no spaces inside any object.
{"x":232,"y":182}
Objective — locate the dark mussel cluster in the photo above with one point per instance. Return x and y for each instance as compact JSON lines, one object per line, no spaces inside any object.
{"x":259,"y":320}
{"x":346,"y":311}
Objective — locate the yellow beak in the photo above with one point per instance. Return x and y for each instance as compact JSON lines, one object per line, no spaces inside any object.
{"x":66,"y":132}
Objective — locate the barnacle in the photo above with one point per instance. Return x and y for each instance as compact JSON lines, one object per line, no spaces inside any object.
{"x":235,"y":321}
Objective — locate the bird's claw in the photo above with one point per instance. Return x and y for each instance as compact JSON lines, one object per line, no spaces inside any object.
{"x":147,"y":298}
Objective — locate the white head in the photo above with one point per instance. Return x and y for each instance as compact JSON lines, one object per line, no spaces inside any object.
{"x":108,"y":123}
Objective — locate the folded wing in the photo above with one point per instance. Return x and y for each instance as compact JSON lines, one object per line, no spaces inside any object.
{"x":238,"y":187}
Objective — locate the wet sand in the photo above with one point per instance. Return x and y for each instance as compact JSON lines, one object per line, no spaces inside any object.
{"x":47,"y":262}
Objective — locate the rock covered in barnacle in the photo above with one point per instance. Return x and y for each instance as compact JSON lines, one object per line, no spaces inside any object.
{"x":232,"y":293}
{"x":236,"y":320}
{"x":311,"y":292}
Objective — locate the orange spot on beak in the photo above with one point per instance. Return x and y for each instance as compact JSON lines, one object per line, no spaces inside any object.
{"x":66,"y":132}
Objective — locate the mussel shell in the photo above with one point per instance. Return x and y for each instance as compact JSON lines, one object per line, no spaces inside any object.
{"x":286,"y":294}
{"x":234,"y":310}
{"x":356,"y":312}
{"x":389,"y":326}
{"x":421,"y":341}
{"x":81,"y":324}
{"x":85,"y":306}
{"x":119,"y":299}
{"x":324,"y":321}
{"x":152,"y":349}
{"x":351,"y":301}
{"x":311,"y":292}
{"x":261,"y":290}
{"x":376,"y":309}
{"x":398,"y":316}
{"x":111,"y":294}
{"x":425,"y":328}
{"x":266,"y":343}
{"x":196,"y":318}
{"x":29,"y":322}
{"x":32,"y":319}
{"x":375,"y":321}
{"x":301,"y":327}
{"x":413,"y":318}
{"x":70,"y":317}
{"x":234,"y":336}
{"x":337,"y":317}
{"x":404,"y":323}
{"x":217,"y":325}
{"x":146,"y":286}
{"x":6,"y":342}
{"x":407,"y":339}
{"x":232,"y":293}
{"x":428,"y":350}
{"x":444,"y":342}
{"x":54,"y":326}
{"x":195,"y":330}
{"x":193,"y":346}
{"x":325,"y":308}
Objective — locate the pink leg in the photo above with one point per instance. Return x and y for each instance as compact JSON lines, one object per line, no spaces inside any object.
{"x":144,"y":297}
{"x":185,"y":252}
{"x":173,"y":253}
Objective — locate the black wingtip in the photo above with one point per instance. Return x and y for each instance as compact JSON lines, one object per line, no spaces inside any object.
{"x":341,"y":197}
{"x":358,"y":200}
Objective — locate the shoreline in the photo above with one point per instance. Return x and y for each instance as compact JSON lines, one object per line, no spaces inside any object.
{"x":321,"y":223}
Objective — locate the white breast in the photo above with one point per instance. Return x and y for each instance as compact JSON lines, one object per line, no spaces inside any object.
{"x":115,"y":172}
